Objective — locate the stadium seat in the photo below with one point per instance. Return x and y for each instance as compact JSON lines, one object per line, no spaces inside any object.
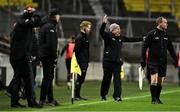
{"x":134,"y":5}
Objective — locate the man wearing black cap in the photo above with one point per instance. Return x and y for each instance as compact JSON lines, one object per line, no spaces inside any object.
{"x":21,"y":44}
{"x":48,"y":41}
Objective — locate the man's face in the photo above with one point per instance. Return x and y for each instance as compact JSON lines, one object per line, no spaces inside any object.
{"x":57,"y":17}
{"x":116,"y":31}
{"x":30,"y":9}
{"x":164,"y":24}
{"x":88,"y":29}
{"x":28,"y":12}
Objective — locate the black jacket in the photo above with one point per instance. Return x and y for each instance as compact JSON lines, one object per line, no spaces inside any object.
{"x":21,"y":37}
{"x":48,"y":39}
{"x":158,"y":42}
{"x":82,"y":49}
{"x":113,"y":45}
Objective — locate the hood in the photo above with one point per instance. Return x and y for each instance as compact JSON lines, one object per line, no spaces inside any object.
{"x":46,"y":19}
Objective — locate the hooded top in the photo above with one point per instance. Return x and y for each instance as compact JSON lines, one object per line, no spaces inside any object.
{"x":48,"y":38}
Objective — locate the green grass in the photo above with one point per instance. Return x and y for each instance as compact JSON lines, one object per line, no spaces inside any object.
{"x":133,"y":99}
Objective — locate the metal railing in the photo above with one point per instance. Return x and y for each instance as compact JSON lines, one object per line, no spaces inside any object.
{"x":129,"y":28}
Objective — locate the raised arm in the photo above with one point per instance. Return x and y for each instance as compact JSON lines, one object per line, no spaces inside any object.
{"x":103,"y":33}
{"x":30,"y":18}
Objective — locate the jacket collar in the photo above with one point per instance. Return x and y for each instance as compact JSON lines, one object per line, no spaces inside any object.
{"x":160,"y":31}
{"x":84,"y":35}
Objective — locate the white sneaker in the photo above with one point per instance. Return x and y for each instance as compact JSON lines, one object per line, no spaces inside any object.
{"x":69,"y":85}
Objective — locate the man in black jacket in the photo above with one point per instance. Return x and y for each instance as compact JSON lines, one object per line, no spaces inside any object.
{"x":48,"y":41}
{"x":82,"y":54}
{"x":112,"y":61}
{"x":21,"y":44}
{"x":158,"y":42}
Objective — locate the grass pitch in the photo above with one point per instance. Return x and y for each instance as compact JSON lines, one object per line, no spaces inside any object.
{"x":133,"y":99}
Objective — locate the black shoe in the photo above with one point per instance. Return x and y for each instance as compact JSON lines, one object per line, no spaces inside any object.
{"x":83,"y":98}
{"x":80,"y":98}
{"x":154,"y":102}
{"x":54,"y":103}
{"x":35,"y":105}
{"x":159,"y":101}
{"x":77,"y":98}
{"x":7,"y":93}
{"x":118,"y":99}
{"x":18,"y":105}
{"x":42,"y":103}
{"x":3,"y":88}
{"x":103,"y":99}
{"x":69,"y":85}
{"x":22,"y":95}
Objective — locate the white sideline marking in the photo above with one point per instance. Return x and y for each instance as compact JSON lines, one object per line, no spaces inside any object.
{"x":98,"y":102}
{"x":129,"y":98}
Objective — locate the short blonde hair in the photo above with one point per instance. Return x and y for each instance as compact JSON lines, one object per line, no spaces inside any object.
{"x":159,"y":20}
{"x":85,"y":24}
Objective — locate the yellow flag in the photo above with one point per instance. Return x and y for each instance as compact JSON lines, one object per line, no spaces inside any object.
{"x":122,"y":72}
{"x":74,"y":65}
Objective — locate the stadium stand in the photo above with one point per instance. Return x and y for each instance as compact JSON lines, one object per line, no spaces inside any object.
{"x":66,"y":6}
{"x":126,"y":10}
{"x":176,"y":11}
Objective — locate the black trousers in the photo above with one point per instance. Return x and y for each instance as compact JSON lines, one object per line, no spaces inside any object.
{"x":22,"y":71}
{"x":80,"y":79}
{"x":2,"y":86}
{"x":34,"y":65}
{"x":148,"y":74}
{"x":68,"y":67}
{"x":109,"y":69}
{"x":48,"y":76}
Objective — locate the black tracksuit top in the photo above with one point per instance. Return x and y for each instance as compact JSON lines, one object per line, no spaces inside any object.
{"x":113,"y":45}
{"x":158,"y":42}
{"x":21,"y":37}
{"x":82,"y":49}
{"x":48,"y":39}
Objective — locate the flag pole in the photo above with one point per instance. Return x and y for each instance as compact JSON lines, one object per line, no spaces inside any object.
{"x":72,"y":100}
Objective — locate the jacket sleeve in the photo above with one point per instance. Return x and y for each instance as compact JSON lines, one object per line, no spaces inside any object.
{"x":132,"y":39}
{"x":172,"y":52}
{"x":78,"y":44}
{"x":145,"y":45}
{"x":30,"y":22}
{"x":103,"y":33}
{"x":51,"y":37}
